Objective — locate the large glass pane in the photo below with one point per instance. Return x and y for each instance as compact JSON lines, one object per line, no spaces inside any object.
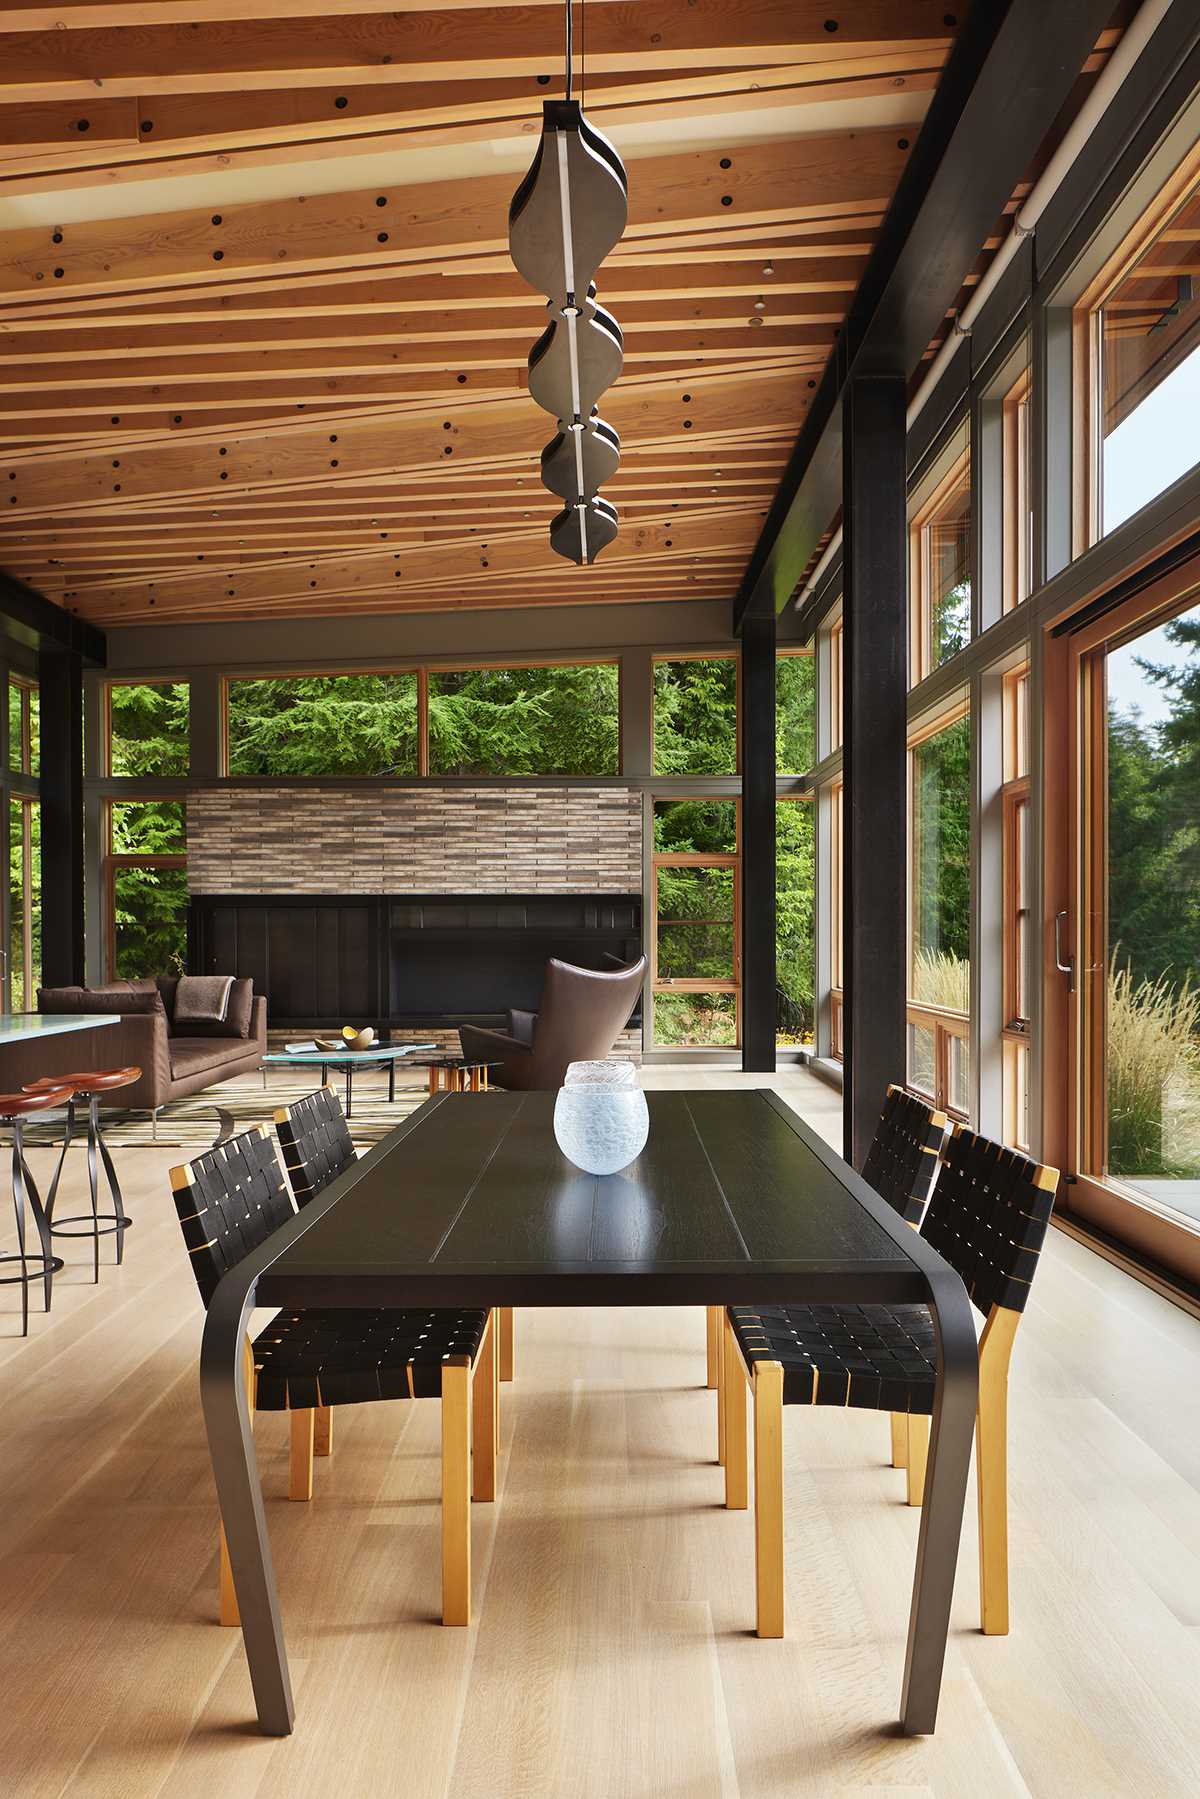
{"x":34,"y":812}
{"x":795,"y":714}
{"x":695,"y":716}
{"x":18,"y":1000}
{"x":15,"y":740}
{"x":323,"y":725}
{"x":525,"y":721}
{"x":1153,"y":1010}
{"x":148,"y":828}
{"x":695,"y":924}
{"x":150,"y":921}
{"x":922,"y":1072}
{"x":695,"y":1020}
{"x":794,"y":921}
{"x":35,"y":732}
{"x":947,"y":561}
{"x":695,"y":827}
{"x":148,"y":728}
{"x":941,"y":873}
{"x":1150,"y":370}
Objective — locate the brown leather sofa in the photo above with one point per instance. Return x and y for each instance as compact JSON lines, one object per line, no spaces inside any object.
{"x":172,"y":1063}
{"x":582,"y":1012}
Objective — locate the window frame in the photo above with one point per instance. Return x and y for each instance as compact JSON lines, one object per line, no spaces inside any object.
{"x":699,"y":656}
{"x":947,"y":1025}
{"x":921,"y":663}
{"x":27,"y":686}
{"x":1018,"y":969}
{"x":1017,"y":491}
{"x":106,"y":722}
{"x":113,"y":860}
{"x":698,"y":859}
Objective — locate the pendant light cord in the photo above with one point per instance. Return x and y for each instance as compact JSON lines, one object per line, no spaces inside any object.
{"x":570,"y":45}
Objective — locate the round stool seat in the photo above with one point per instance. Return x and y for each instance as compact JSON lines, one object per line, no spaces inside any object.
{"x":90,"y":1081}
{"x":39,"y":1099}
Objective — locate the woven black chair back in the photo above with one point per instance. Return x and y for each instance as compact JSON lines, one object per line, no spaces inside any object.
{"x":988,"y":1218}
{"x":229,"y":1200}
{"x":903,"y":1158}
{"x":315,"y":1140}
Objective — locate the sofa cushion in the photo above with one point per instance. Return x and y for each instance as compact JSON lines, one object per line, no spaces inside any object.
{"x":238,"y":1014}
{"x":197,"y":1055}
{"x":119,"y":996}
{"x":166,"y":984}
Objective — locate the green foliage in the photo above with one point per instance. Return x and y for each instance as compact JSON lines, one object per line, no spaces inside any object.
{"x":794,"y":908}
{"x":695,"y":827}
{"x":525,"y":721}
{"x":795,"y":714}
{"x":941,"y":901}
{"x":695,"y":716}
{"x":941,"y":979}
{"x":149,"y":734}
{"x":951,"y":622}
{"x":324,"y":725}
{"x":1153,"y":1075}
{"x":695,"y":1020}
{"x":150,"y":912}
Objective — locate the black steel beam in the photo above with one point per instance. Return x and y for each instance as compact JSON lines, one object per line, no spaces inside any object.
{"x":874,"y":707}
{"x":60,"y":680}
{"x":33,"y":620}
{"x":758,"y":846}
{"x":1012,"y":68}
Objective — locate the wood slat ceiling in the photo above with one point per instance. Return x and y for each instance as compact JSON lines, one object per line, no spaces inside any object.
{"x":262,"y":349}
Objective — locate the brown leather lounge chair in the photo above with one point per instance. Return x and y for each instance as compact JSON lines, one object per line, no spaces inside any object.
{"x":581,"y":1015}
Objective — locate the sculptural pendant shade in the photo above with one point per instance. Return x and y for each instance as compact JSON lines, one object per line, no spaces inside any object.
{"x":565,"y":217}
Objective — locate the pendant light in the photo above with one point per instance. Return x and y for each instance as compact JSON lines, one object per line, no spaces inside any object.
{"x":565,"y":217}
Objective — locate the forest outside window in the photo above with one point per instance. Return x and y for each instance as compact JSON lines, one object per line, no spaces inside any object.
{"x":552,"y":719}
{"x":24,"y":748}
{"x":695,"y":941}
{"x":147,"y":726}
{"x":940,"y":573}
{"x":146,"y":888}
{"x":297,"y":725}
{"x":695,"y":725}
{"x":794,"y":922}
{"x":835,"y":685}
{"x":23,"y":970}
{"x":940,"y":914}
{"x":836,"y":979}
{"x":1018,"y":913}
{"x":795,"y":712}
{"x":1145,"y":351}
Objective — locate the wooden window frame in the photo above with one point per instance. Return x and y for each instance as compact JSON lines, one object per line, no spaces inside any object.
{"x":699,"y":656}
{"x":113,"y":861}
{"x":667,"y":859}
{"x":26,"y":802}
{"x":835,"y":684}
{"x":837,"y":992}
{"x":1087,"y":350}
{"x":1017,"y":547}
{"x":921,"y":660}
{"x":947,"y":1025}
{"x":947,"y":1029}
{"x":27,"y":687}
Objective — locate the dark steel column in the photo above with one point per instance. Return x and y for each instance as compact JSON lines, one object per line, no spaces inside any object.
{"x":758,"y":845}
{"x":60,"y":679}
{"x":875,"y":809}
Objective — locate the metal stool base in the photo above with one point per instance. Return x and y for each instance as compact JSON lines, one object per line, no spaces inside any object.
{"x":35,"y":1274}
{"x":103,"y":1225}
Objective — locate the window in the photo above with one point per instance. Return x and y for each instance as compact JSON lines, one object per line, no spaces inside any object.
{"x":299,"y":725}
{"x":148,"y":728}
{"x":1018,"y":492}
{"x":696,"y":715}
{"x":940,"y":913}
{"x":1018,"y":915}
{"x":836,"y":980}
{"x":794,"y":921}
{"x":24,"y":904}
{"x":24,"y":749}
{"x":695,"y":943}
{"x":795,"y":712}
{"x":941,"y":573}
{"x":146,"y":888}
{"x":835,"y":685}
{"x":1145,"y":338}
{"x":558,"y":719}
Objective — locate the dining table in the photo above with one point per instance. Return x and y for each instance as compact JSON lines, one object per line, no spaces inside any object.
{"x":469,"y":1201}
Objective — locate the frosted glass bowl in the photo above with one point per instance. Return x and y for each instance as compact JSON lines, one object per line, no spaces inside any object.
{"x":600,"y":1118}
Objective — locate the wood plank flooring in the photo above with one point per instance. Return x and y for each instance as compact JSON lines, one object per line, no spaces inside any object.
{"x":612,"y":1654}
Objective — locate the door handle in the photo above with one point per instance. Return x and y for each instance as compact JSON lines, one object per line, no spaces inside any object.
{"x":1066,"y":967}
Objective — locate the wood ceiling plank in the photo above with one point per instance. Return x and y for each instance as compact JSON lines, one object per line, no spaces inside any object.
{"x":766,"y":182}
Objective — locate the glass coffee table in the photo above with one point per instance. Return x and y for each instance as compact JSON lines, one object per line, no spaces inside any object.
{"x":345,"y":1061}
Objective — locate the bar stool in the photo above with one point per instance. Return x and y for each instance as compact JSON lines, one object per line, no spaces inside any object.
{"x":14,"y":1108}
{"x":89,"y":1086}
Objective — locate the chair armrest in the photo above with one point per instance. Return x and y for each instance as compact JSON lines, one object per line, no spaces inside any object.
{"x":479,"y":1045}
{"x":520,"y":1025}
{"x":140,"y":1040}
{"x":258,"y":1022}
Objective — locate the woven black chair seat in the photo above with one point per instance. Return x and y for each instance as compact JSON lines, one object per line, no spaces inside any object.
{"x":879,"y":1358}
{"x":346,"y":1357}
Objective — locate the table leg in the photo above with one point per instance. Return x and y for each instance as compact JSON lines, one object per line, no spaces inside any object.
{"x":941,"y":1515}
{"x":391,"y":1080}
{"x":239,"y":1495}
{"x":349,"y":1090}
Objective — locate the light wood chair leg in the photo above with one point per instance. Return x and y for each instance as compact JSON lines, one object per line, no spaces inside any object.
{"x":917,"y":1455}
{"x":733,"y":1388}
{"x":712,"y":1317}
{"x":768,"y":1497}
{"x":485,"y":1421}
{"x":323,"y":1430}
{"x":227,"y":1605}
{"x":300,"y":1470}
{"x":456,"y":1491}
{"x":504,"y":1315}
{"x":721,"y":1443}
{"x":899,"y":1439}
{"x":991,"y":1469}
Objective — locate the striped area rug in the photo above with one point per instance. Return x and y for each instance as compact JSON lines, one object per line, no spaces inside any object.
{"x":218,"y":1112}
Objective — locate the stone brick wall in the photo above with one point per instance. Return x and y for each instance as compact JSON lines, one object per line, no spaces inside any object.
{"x":526,"y":839}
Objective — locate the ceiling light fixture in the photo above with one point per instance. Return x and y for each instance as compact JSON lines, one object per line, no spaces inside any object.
{"x":565,"y":217}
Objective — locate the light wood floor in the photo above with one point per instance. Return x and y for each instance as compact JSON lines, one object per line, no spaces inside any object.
{"x":612,"y":1655}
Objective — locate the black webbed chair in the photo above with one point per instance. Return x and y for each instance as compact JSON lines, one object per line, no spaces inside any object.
{"x":315,"y":1141}
{"x":229,"y":1201}
{"x":987,"y":1217}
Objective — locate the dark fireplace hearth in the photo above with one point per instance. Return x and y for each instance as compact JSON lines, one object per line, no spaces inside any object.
{"x":406,"y":959}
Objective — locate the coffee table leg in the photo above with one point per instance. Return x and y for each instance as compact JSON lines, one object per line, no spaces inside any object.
{"x":349,"y":1090}
{"x":239,"y":1495}
{"x":391,"y":1080}
{"x":942,"y":1510}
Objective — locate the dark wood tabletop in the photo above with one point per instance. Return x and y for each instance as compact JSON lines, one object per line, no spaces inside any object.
{"x":469,"y":1201}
